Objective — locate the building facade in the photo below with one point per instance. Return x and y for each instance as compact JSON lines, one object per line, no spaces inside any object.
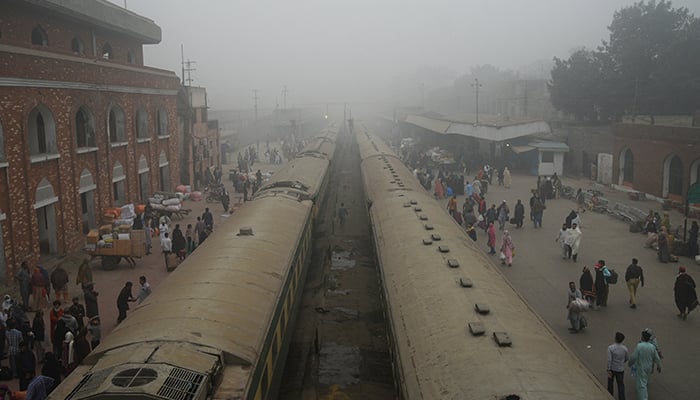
{"x":200,"y":140}
{"x":659,"y":160}
{"x":84,"y":125}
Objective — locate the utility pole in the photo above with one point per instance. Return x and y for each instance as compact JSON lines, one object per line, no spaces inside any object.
{"x":284,"y":96}
{"x":255,"y":100}
{"x":187,"y":68}
{"x":255,"y":107}
{"x":476,"y":85}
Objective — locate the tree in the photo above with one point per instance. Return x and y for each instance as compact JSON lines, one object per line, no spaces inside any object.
{"x":575,"y":85}
{"x":650,"y":65}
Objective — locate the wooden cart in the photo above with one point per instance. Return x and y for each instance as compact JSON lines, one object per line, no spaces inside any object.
{"x":128,"y":249}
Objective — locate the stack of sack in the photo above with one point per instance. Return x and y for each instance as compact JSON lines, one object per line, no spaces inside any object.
{"x":126,"y":217}
{"x":163,"y":204}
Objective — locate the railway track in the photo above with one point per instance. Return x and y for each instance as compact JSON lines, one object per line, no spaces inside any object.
{"x":340,"y":345}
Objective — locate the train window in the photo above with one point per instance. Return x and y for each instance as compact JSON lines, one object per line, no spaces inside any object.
{"x":274,"y":348}
{"x":283,"y":318}
{"x":263,"y":383}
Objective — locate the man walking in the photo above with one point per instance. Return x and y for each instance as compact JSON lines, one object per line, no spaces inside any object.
{"x":601,"y":283}
{"x":343,"y":214}
{"x":145,"y":289}
{"x":208,"y":219}
{"x":123,"y":301}
{"x":633,"y":276}
{"x":643,"y":360}
{"x":166,"y":244}
{"x":618,"y":355}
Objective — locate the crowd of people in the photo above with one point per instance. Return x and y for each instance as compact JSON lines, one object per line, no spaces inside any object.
{"x":74,"y":329}
{"x":594,"y":283}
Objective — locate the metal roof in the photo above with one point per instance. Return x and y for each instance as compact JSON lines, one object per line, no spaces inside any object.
{"x":553,"y":146}
{"x":493,"y":131}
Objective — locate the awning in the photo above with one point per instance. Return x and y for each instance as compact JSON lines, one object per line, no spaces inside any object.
{"x":521,"y":149}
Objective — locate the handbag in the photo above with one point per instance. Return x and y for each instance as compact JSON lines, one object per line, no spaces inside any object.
{"x":502,"y":256}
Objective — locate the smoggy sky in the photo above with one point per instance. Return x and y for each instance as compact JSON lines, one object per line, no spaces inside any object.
{"x":357,"y":50}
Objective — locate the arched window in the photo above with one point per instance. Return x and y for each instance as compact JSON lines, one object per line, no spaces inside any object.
{"x":131,"y":56}
{"x":39,"y":36}
{"x":694,"y":170}
{"x":144,"y":182}
{"x":42,"y":132}
{"x":118,"y":184}
{"x":164,"y":170}
{"x":141,"y":124}
{"x":84,"y":128}
{"x":675,"y":176}
{"x":77,"y":46}
{"x":115,"y":125}
{"x":628,"y":166}
{"x":162,"y":123}
{"x":107,"y":51}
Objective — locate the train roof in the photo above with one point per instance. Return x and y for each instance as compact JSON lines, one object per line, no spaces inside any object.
{"x":243,"y":276}
{"x":217,"y":307}
{"x":302,"y":178}
{"x":430,"y":311}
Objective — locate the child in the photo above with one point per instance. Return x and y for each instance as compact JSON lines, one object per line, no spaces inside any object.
{"x":94,"y":329}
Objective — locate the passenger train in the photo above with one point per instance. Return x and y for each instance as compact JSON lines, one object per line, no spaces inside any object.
{"x":220,"y":326}
{"x":457,"y":328}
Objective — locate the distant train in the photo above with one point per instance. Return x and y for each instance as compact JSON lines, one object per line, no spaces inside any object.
{"x":219,"y":326}
{"x":457,"y":328}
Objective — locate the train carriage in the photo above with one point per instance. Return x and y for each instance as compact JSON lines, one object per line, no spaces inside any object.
{"x":458,"y":329}
{"x":219,"y":327}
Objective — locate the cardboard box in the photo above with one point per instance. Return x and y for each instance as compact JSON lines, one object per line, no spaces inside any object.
{"x":93,"y":236}
{"x":123,"y":247}
{"x":138,"y":243}
{"x":104,"y":229}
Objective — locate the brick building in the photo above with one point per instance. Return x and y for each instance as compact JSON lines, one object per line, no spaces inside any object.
{"x":200,"y":142}
{"x":660,"y":160}
{"x":84,"y":125}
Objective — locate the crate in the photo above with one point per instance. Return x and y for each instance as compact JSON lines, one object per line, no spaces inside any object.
{"x":105,"y":229}
{"x":92,"y":237}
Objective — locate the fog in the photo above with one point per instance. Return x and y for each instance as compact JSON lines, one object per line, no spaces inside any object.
{"x":364,"y":51}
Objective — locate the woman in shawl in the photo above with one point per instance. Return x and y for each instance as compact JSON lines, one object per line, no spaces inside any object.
{"x":686,"y":298}
{"x":179,"y":243}
{"x":507,"y":179}
{"x":68,"y":353}
{"x":693,"y":240}
{"x":662,"y":242}
{"x":439,"y":190}
{"x":573,"y":240}
{"x":82,"y":346}
{"x":84,"y":273}
{"x":491,"y":231}
{"x":585,"y":283}
{"x":507,"y":248}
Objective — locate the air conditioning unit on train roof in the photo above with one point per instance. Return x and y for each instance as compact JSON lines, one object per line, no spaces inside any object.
{"x":142,"y":381}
